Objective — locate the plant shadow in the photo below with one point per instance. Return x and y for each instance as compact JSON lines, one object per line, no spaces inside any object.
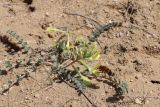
{"x":118,"y":94}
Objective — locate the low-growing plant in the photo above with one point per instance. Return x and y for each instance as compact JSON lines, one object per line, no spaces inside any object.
{"x":80,"y":54}
{"x":83,"y":54}
{"x":24,"y":45}
{"x":74,"y":61}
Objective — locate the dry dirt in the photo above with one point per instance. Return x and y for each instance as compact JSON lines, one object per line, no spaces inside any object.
{"x":133,"y":53}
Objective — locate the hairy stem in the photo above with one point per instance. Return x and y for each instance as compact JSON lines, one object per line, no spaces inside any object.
{"x":71,"y":63}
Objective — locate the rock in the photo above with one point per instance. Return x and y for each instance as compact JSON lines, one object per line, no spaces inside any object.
{"x":26,"y":98}
{"x":138,"y":100}
{"x":136,"y":77}
{"x":120,"y":34}
{"x":151,"y":92}
{"x":110,"y":87}
{"x":131,"y":80}
{"x":50,"y":36}
{"x":31,"y":8}
{"x":135,"y":49}
{"x":137,"y":62}
{"x":43,"y":53}
{"x":132,"y":90}
{"x":37,"y":95}
{"x":47,"y":14}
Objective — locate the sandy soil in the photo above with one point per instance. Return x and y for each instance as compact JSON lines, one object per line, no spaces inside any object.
{"x":133,"y":53}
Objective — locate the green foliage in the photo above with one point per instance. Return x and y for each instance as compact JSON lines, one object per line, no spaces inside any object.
{"x":8,"y":64}
{"x":74,"y":61}
{"x":123,"y":87}
{"x":20,"y":41}
{"x":81,"y":53}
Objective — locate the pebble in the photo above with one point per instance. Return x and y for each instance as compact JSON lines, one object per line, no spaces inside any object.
{"x":50,"y":36}
{"x":132,"y":90}
{"x":47,"y":14}
{"x":151,"y":92}
{"x":147,"y":82}
{"x":43,"y":53}
{"x":32,"y":8}
{"x":26,"y":98}
{"x":136,"y":77}
{"x":138,"y":101}
{"x":137,"y":62}
{"x":37,"y":95}
{"x":120,"y":34}
{"x":110,"y":87}
{"x":131,"y":80}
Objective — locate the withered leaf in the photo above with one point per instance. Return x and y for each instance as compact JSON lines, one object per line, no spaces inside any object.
{"x":105,"y":69}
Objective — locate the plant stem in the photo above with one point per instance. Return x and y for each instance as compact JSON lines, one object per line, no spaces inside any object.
{"x":88,"y":99}
{"x":71,"y":63}
{"x":85,"y":65}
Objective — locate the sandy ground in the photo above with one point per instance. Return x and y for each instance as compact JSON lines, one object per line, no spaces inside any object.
{"x":133,"y":54}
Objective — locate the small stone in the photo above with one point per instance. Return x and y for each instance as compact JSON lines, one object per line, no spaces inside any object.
{"x":147,"y":82}
{"x":50,"y":36}
{"x":26,"y":98}
{"x":132,"y":90}
{"x":110,"y":87}
{"x":47,"y":14}
{"x":5,"y":94}
{"x":135,"y":49}
{"x":151,"y":92}
{"x":137,"y":62}
{"x":138,"y":101}
{"x":131,"y":80}
{"x":136,"y":77}
{"x":120,"y":34}
{"x":39,"y":36}
{"x":42,"y":53}
{"x":32,"y":8}
{"x":37,"y":95}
